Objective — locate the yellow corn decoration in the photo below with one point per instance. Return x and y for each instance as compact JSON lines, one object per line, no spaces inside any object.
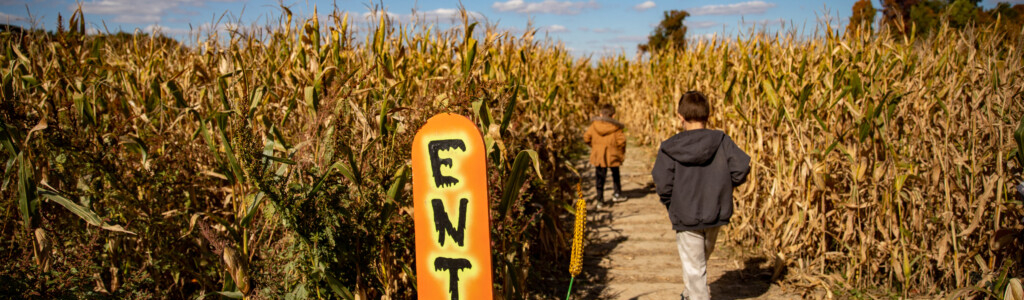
{"x":576,"y":261}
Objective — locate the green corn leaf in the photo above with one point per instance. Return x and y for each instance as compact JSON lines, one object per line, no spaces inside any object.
{"x":232,"y":295}
{"x":467,"y":61}
{"x":489,"y":146}
{"x":136,"y":145}
{"x":252,"y":209}
{"x":551,"y":96}
{"x":7,"y":138}
{"x":229,"y":153}
{"x":345,"y":171}
{"x":176,"y":93}
{"x":320,"y":183}
{"x":385,"y":105}
{"x":354,"y":167}
{"x":257,"y":98}
{"x":27,"y":203}
{"x":829,"y":149}
{"x":400,"y":179}
{"x":8,"y":87}
{"x":469,"y":29}
{"x":1019,"y":136}
{"x":568,"y":208}
{"x":802,"y":99}
{"x":153,"y":99}
{"x":205,"y":134}
{"x":231,"y":230}
{"x":510,"y":107}
{"x":867,"y":124}
{"x":21,"y":57}
{"x":222,"y":87}
{"x":82,"y":212}
{"x":730,"y":98}
{"x":310,"y":95}
{"x":9,"y":167}
{"x":378,"y":36}
{"x":279,"y":159}
{"x":770,"y":92}
{"x":483,"y":113}
{"x":536,"y":163}
{"x":515,"y":180}
{"x":83,"y":108}
{"x":338,"y":288}
{"x":30,"y":81}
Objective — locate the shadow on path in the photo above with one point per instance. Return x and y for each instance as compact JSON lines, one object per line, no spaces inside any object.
{"x":640,"y":192}
{"x":752,"y":281}
{"x":594,"y":281}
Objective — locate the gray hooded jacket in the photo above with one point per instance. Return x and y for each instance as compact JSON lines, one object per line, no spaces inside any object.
{"x":694,"y":175}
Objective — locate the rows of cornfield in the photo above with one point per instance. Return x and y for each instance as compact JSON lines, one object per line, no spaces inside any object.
{"x":880,"y":165}
{"x":274,"y":161}
{"x":269,"y":162}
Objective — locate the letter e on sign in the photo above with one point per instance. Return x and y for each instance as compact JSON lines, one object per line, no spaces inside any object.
{"x":449,"y":186}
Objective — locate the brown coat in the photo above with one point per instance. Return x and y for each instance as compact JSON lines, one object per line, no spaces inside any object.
{"x":607,"y":142}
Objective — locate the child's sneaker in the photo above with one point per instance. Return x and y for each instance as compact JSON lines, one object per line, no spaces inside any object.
{"x":616,"y":198}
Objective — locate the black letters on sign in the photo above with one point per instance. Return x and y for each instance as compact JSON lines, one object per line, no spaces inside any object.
{"x":436,"y":162}
{"x":453,"y":266}
{"x":443,"y":224}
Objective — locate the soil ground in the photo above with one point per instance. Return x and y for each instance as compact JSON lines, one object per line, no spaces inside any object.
{"x":631,"y":249}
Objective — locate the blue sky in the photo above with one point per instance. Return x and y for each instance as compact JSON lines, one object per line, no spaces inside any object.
{"x":585,"y":26}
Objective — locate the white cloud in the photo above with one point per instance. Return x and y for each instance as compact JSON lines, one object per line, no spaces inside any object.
{"x":165,"y":30}
{"x":765,"y":22}
{"x":8,"y":18}
{"x":437,"y":15}
{"x":544,"y":7}
{"x":707,"y":36}
{"x":744,"y":8}
{"x":556,"y":28}
{"x":136,"y":11}
{"x":601,"y":30}
{"x":370,"y":16}
{"x":203,"y":28}
{"x":644,"y":6}
{"x":629,"y":39}
{"x":509,"y":29}
{"x":701,"y":24}
{"x":446,"y":14}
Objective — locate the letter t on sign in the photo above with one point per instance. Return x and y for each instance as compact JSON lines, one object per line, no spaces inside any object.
{"x":453,"y":266}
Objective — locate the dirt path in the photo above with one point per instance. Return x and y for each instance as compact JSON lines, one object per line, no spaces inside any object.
{"x":632,"y":253}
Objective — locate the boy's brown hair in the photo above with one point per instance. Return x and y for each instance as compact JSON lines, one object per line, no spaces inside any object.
{"x":607,"y":110}
{"x":694,"y":107}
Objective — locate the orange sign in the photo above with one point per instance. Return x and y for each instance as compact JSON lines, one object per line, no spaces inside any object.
{"x":449,"y":184}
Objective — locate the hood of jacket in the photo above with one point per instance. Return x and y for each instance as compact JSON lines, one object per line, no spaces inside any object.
{"x":693,"y":146}
{"x":605,"y":125}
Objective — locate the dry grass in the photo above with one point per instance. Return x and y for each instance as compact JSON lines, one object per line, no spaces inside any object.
{"x":880,"y":165}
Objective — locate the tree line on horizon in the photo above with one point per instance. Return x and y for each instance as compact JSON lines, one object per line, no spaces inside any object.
{"x":902,"y":17}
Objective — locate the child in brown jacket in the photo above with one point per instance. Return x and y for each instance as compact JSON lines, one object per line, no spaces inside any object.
{"x":607,"y":150}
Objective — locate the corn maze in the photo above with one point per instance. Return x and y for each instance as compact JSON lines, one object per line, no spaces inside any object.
{"x":274,"y":162}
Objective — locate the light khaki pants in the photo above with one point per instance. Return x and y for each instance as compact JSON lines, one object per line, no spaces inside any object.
{"x":695,"y":248}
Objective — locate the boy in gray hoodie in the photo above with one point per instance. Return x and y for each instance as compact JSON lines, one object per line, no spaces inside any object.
{"x":694,"y":175}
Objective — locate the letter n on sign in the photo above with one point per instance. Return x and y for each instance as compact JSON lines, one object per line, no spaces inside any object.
{"x":449,"y":186}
